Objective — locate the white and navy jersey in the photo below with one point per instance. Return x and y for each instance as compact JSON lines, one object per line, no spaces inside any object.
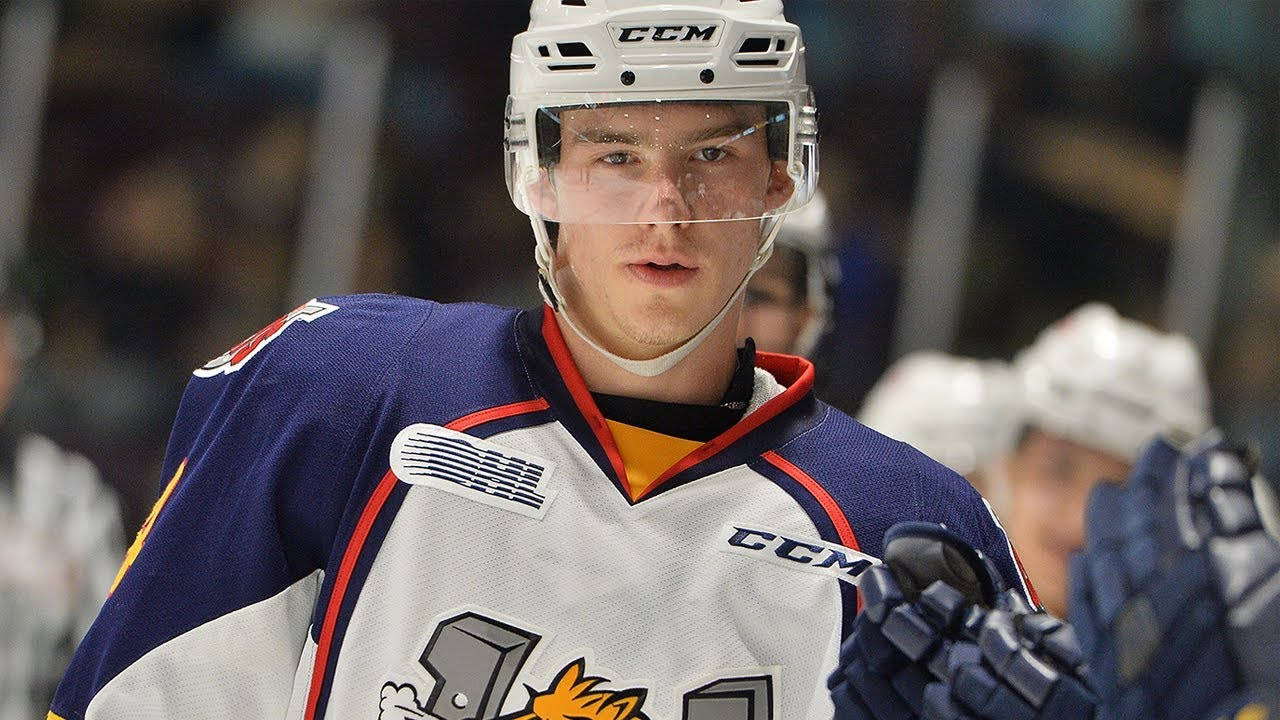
{"x":381,"y":507}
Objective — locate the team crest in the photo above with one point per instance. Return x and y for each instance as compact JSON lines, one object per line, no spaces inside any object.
{"x":473,"y":661}
{"x":243,"y":351}
{"x":573,"y":695}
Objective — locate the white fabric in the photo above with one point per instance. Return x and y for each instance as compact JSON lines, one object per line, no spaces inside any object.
{"x":765,"y":388}
{"x":647,"y":593}
{"x":203,"y":673}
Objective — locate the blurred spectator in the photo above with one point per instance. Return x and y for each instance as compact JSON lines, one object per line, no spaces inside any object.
{"x":60,"y":540}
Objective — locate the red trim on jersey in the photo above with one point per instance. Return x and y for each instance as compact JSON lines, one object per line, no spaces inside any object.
{"x":1026,"y":579}
{"x":795,"y":373}
{"x":466,"y":422}
{"x":581,"y":395}
{"x":349,"y":557}
{"x":819,"y":493}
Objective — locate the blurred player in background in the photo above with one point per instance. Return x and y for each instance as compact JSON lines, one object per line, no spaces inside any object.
{"x":787,"y":306}
{"x":962,"y":412}
{"x":60,"y":539}
{"x":1096,"y":388}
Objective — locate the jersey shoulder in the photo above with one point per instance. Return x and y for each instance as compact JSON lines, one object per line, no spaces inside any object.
{"x":884,"y":481}
{"x":354,"y":339}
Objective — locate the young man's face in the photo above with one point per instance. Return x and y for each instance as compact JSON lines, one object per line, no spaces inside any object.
{"x":634,"y":189}
{"x":1049,"y":482}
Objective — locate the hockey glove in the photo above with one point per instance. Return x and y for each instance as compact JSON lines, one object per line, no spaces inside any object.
{"x":938,"y":640}
{"x":1177,"y":596}
{"x":1014,"y":664}
{"x":913,"y":607}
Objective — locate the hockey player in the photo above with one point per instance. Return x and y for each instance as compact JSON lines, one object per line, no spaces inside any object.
{"x":962,"y":412}
{"x":787,"y":305}
{"x":1096,"y":388}
{"x":599,"y":509}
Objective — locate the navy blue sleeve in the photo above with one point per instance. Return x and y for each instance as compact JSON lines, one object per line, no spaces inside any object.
{"x":263,"y":460}
{"x":879,"y":482}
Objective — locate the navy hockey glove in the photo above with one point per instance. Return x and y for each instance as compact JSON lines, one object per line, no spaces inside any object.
{"x":937,"y":640}
{"x":1177,"y":596}
{"x":1015,"y":664}
{"x":913,"y":607}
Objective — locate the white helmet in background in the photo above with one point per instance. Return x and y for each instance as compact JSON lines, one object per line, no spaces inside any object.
{"x":619,"y":54}
{"x":962,"y":412}
{"x":1111,"y":383}
{"x":808,"y":231}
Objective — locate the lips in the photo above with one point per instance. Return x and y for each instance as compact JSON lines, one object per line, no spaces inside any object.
{"x":662,"y":274}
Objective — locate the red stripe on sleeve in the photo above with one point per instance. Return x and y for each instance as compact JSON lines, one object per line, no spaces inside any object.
{"x":819,"y":493}
{"x":367,"y":517}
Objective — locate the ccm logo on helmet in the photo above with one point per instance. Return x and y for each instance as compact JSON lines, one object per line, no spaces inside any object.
{"x":701,"y":33}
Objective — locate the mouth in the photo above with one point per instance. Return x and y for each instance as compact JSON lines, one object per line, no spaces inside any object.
{"x":662,"y":274}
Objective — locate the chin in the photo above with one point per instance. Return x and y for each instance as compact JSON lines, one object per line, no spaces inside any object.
{"x":660,"y":325}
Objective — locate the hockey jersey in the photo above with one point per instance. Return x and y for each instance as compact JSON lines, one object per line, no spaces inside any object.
{"x":386,"y":507}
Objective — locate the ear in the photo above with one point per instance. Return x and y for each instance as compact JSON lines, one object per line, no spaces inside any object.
{"x":781,"y":185}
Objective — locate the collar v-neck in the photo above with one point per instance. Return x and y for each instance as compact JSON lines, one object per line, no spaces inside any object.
{"x":554,"y":372}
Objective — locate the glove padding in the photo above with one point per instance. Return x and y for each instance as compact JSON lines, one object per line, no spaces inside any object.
{"x":1021,"y":665}
{"x":1177,"y":596}
{"x":931,"y":643}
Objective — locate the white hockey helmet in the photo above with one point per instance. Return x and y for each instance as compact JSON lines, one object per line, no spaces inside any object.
{"x":1111,"y":383}
{"x":962,"y":412}
{"x":612,"y":58}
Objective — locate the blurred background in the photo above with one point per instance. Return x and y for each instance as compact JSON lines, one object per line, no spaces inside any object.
{"x":174,"y":174}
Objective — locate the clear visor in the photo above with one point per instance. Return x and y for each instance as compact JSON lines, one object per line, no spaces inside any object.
{"x":678,"y":161}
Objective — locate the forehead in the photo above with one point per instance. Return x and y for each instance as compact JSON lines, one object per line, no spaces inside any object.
{"x":668,"y":120}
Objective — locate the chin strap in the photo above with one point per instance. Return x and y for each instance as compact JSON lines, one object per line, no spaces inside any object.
{"x":652,"y":367}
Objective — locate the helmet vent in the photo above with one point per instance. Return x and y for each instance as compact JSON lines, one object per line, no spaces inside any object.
{"x":568,"y":55}
{"x":574,"y":3}
{"x":763,"y":51}
{"x":573,"y":49}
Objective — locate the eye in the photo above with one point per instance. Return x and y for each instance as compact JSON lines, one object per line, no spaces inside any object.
{"x":711,"y":154}
{"x":617,"y":158}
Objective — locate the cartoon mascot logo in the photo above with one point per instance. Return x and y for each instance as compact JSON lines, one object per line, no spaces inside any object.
{"x":572,"y":696}
{"x":474,"y":659}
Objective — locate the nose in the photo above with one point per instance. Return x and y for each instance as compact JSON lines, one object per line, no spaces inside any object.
{"x":669,"y":195}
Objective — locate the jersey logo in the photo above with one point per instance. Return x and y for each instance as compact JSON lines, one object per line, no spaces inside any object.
{"x":243,"y":351}
{"x":473,"y":661}
{"x":474,"y":469}
{"x":814,"y":556}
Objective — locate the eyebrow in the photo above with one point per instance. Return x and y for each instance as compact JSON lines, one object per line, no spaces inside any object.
{"x":732,"y":131}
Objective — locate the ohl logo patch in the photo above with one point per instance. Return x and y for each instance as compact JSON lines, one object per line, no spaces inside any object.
{"x":243,"y":351}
